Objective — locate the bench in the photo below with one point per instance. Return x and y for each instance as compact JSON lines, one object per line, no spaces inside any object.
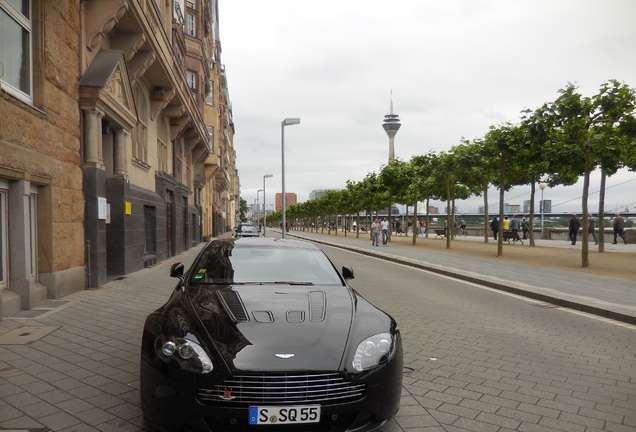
{"x":511,"y":235}
{"x":440,"y":232}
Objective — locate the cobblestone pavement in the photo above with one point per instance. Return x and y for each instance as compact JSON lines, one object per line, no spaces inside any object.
{"x":72,"y":365}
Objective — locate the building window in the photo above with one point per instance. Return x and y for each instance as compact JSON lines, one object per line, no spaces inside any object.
{"x":140,"y":147}
{"x":15,"y":48}
{"x":210,"y":137}
{"x":209,"y":98}
{"x":191,"y":24}
{"x":178,"y":160}
{"x":191,"y":4}
{"x":4,"y":240}
{"x":162,"y":145}
{"x":191,"y":78}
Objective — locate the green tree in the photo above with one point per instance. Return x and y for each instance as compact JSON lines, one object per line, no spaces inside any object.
{"x":244,"y":208}
{"x":589,"y":131}
{"x":421,"y":183}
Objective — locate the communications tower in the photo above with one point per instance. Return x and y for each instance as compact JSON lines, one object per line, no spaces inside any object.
{"x":391,"y":125}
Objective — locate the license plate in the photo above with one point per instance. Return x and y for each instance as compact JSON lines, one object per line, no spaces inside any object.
{"x":284,"y":414}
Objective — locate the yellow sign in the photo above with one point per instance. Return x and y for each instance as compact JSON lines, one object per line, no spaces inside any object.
{"x":128,"y":207}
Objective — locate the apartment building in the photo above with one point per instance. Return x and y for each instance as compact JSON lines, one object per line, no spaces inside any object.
{"x":105,"y":132}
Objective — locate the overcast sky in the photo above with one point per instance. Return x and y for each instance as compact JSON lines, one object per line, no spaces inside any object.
{"x":454,"y":68}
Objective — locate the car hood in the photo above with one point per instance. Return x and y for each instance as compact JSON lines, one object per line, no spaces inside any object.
{"x":277,"y":327}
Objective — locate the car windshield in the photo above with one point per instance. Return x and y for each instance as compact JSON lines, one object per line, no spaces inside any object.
{"x":225,"y":264}
{"x":248,"y":228}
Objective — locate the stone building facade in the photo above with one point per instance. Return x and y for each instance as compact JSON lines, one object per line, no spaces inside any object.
{"x":104,"y":132}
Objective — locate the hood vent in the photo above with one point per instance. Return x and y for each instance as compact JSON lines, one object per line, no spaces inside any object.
{"x":263,"y":316}
{"x":295,"y":316}
{"x":233,"y":305}
{"x":317,"y":306}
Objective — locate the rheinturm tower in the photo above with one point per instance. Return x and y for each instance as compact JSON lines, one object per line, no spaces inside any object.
{"x":391,"y":125}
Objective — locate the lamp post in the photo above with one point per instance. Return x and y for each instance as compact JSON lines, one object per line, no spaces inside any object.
{"x":286,"y":122}
{"x":258,"y":201}
{"x":266,"y":176}
{"x":542,"y":186}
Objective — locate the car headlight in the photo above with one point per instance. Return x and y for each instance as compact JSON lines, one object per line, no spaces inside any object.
{"x":372,"y":351}
{"x":189,"y":354}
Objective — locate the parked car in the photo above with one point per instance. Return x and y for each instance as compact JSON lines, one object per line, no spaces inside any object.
{"x":247,"y":230}
{"x":262,"y":332}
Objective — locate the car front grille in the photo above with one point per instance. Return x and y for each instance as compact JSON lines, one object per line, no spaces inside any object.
{"x":280,"y":389}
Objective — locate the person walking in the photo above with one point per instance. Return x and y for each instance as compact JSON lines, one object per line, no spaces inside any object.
{"x":525,"y":227}
{"x":385,"y":231}
{"x":494,"y":226}
{"x":515,"y":224}
{"x":422,"y":227}
{"x":590,"y":228}
{"x":375,"y":232}
{"x":619,"y":228}
{"x":574,"y":228}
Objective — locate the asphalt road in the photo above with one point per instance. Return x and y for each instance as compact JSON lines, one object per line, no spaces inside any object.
{"x":484,"y":360}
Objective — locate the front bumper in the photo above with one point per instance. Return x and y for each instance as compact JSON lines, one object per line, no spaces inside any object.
{"x":170,"y":403}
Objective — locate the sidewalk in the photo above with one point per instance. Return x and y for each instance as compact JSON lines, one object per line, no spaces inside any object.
{"x":610,"y":297}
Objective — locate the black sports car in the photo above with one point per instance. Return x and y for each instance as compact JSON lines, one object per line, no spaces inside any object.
{"x":263,"y":333}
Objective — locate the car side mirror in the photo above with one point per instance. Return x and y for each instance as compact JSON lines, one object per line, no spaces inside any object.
{"x":177,"y":270}
{"x":347,"y":273}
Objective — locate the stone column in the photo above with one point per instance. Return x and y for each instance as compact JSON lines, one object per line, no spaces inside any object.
{"x":100,"y":147}
{"x":93,"y":137}
{"x":91,"y":143}
{"x":119,"y":152}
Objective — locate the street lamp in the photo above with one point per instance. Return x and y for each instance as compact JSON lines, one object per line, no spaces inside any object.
{"x":286,"y":122}
{"x":266,"y":176}
{"x":257,"y":209}
{"x":542,"y":186}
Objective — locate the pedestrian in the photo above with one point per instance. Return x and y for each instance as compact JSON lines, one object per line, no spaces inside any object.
{"x":355,"y":226}
{"x":524,"y":227}
{"x":375,"y":231}
{"x":422,"y":227}
{"x":506,"y":223}
{"x":515,"y":224}
{"x":385,"y":231}
{"x":590,"y":227}
{"x":574,"y":228}
{"x":494,"y":226}
{"x":619,"y":228}
{"x":462,"y":226}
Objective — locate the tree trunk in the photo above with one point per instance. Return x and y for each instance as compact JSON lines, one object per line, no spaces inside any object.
{"x":531,"y":217}
{"x":415,"y":228}
{"x":428,"y":201}
{"x":485,"y":186}
{"x":601,"y":213}
{"x":390,"y":220}
{"x":449,"y":226}
{"x":502,"y":188}
{"x":585,"y":256}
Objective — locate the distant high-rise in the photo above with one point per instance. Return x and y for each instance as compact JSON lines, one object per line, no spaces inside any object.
{"x":290,"y":199}
{"x":391,"y":125}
